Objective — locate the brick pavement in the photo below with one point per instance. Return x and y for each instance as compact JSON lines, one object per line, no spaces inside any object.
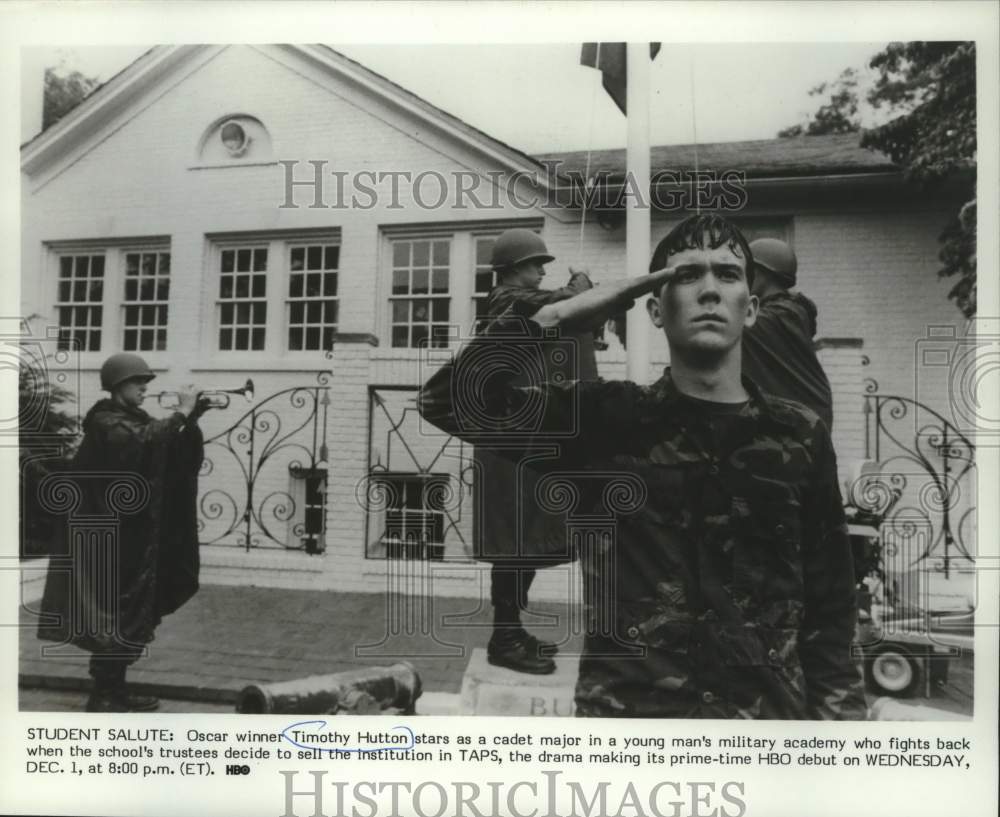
{"x":229,"y":636}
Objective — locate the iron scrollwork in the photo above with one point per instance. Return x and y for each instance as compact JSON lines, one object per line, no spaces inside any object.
{"x":287,"y":429}
{"x":921,"y":483}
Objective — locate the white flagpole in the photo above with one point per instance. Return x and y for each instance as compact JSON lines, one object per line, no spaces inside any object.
{"x":637,"y":230}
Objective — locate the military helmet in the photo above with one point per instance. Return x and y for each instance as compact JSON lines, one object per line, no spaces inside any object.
{"x":121,"y":367}
{"x":777,"y":258}
{"x":517,"y":245}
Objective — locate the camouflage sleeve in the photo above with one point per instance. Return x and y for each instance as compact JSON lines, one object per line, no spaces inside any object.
{"x":526,"y":301}
{"x":834,"y":685}
{"x":474,"y":397}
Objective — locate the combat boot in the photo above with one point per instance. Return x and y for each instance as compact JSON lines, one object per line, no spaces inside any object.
{"x":106,"y":699}
{"x":142,"y":703}
{"x":518,"y":651}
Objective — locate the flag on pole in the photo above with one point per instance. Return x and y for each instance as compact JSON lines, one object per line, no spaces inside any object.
{"x":610,"y":59}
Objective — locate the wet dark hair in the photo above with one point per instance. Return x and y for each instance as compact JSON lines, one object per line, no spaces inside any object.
{"x":703,"y":231}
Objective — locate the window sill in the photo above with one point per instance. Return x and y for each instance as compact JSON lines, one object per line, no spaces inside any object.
{"x":233,"y":163}
{"x":400,"y":353}
{"x":263,"y":362}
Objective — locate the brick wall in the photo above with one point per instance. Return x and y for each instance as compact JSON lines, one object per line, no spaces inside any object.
{"x":841,"y":359}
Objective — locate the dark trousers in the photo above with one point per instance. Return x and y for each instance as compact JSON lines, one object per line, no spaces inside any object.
{"x":509,"y":585}
{"x":108,"y":671}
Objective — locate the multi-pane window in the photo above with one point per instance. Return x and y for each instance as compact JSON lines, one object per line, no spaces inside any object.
{"x":414,"y":520}
{"x":147,"y":291}
{"x":485,"y":279}
{"x":242,"y":298}
{"x":80,"y":301}
{"x":312,"y":296}
{"x":420,"y":299}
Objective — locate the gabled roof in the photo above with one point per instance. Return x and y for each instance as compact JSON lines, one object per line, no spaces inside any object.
{"x":838,"y":154}
{"x":431,"y":110}
{"x":130,"y":82}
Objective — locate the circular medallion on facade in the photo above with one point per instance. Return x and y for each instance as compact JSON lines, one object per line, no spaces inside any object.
{"x":235,"y":139}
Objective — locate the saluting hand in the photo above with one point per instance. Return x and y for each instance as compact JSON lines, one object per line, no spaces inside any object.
{"x":600,"y":303}
{"x":657,"y":279}
{"x":579,"y":278}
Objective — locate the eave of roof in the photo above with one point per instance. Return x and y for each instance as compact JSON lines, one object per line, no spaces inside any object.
{"x":837,"y":154}
{"x":461,"y":124}
{"x":780,"y":158}
{"x":111,"y":94}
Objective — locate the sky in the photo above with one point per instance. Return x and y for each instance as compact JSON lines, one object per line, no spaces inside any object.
{"x":538,"y":98}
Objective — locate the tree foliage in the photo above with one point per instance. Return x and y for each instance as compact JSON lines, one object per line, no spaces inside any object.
{"x":932,"y":85}
{"x":63,"y":92}
{"x":934,"y":138}
{"x":839,"y":114}
{"x":926,"y":94}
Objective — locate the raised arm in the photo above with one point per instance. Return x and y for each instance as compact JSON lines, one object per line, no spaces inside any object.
{"x":600,"y":303}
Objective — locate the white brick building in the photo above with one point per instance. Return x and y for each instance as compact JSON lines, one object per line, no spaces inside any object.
{"x":177,"y":170}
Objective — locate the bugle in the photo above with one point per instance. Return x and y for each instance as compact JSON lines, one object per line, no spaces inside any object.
{"x":214,"y":398}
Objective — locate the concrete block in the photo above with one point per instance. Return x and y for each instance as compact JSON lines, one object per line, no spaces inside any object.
{"x":489,"y":690}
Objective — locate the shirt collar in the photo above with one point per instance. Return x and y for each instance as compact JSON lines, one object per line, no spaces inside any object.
{"x":663,"y":397}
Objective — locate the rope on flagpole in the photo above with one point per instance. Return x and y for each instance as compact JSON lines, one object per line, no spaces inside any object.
{"x":694,"y":131}
{"x":590,"y":142}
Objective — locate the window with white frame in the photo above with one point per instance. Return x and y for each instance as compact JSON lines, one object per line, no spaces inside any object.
{"x":242,"y":303}
{"x":111,"y":296}
{"x":80,"y":301}
{"x":414,"y":519}
{"x":275,"y":294}
{"x":147,"y":293}
{"x":439,"y":283}
{"x":485,"y":278}
{"x":312,"y":296}
{"x":420,"y":300}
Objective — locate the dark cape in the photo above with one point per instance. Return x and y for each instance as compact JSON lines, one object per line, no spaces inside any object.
{"x":108,"y":593}
{"x":509,"y":524}
{"x":778,"y":353}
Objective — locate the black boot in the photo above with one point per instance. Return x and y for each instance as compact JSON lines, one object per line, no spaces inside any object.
{"x":137,"y":703}
{"x":107,"y":694}
{"x":141,"y":703}
{"x":110,"y":693}
{"x":519,"y":651}
{"x":539,"y":645}
{"x":510,"y":645}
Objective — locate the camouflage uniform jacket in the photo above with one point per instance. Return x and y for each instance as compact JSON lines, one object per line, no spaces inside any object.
{"x":725,"y":588}
{"x":778,"y":353}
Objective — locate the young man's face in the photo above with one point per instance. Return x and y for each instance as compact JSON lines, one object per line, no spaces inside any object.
{"x":526,"y":274}
{"x":131,"y":392}
{"x":707,"y":304}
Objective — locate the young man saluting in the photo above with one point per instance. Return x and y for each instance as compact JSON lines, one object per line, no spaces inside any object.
{"x":728,"y":592}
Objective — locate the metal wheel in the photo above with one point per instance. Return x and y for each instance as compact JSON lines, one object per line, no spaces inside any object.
{"x":891,"y":670}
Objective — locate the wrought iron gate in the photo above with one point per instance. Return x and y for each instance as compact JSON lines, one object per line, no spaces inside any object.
{"x":926,"y":478}
{"x":262,"y":483}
